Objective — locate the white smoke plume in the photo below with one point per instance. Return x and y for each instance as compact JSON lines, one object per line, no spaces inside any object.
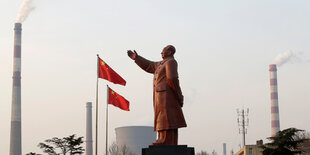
{"x":24,"y":10}
{"x":286,"y":57}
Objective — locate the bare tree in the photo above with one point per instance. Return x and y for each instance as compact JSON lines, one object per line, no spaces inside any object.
{"x":125,"y":150}
{"x":202,"y":152}
{"x":32,"y":153}
{"x":214,"y":152}
{"x":114,"y":149}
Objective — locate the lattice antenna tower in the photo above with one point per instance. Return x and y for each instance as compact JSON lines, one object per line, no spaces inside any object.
{"x":243,"y":123}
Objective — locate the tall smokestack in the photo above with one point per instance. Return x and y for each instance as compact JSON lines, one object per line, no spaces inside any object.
{"x":275,"y":120}
{"x":16,"y":135}
{"x":89,"y":134}
{"x":224,"y":148}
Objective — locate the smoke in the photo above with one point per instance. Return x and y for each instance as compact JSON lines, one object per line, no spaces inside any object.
{"x":288,"y":56}
{"x":24,"y":10}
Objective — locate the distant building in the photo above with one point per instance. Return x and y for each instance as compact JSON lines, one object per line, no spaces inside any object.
{"x":256,"y":150}
{"x":252,"y":149}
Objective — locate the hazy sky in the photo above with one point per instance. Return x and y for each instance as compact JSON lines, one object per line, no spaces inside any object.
{"x":224,"y":49}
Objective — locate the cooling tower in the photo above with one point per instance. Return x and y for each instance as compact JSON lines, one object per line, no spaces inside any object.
{"x":275,"y":120}
{"x":89,"y":129}
{"x":135,"y":137}
{"x":16,"y":135}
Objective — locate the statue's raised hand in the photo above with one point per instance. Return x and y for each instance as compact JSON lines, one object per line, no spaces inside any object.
{"x":131,"y":54}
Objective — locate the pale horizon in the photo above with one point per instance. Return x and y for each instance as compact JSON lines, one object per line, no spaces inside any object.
{"x":223,"y":50}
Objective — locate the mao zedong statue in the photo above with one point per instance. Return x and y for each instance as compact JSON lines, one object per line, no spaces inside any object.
{"x":167,"y":95}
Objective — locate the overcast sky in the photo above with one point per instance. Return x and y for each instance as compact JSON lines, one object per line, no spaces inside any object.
{"x":223,"y":47}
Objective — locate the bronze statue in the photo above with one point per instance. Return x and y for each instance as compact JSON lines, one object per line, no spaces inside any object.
{"x":167,"y":95}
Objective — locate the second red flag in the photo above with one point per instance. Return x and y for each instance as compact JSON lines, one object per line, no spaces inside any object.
{"x":118,"y":100}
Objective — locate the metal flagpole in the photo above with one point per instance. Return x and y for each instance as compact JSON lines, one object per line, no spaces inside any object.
{"x":106,"y":140}
{"x":96,"y":150}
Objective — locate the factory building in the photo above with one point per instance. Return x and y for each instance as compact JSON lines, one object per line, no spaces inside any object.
{"x":135,"y":137}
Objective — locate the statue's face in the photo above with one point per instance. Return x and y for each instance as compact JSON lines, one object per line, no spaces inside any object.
{"x":166,"y":53}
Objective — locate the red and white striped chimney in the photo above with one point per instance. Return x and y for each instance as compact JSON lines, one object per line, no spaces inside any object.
{"x":16,"y":133}
{"x":275,"y":120}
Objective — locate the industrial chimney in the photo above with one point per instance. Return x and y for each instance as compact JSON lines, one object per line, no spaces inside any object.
{"x":275,"y":120}
{"x":16,"y":134}
{"x":89,"y":133}
{"x":224,"y":148}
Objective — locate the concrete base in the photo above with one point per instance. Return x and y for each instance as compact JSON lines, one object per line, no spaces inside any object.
{"x":168,"y":150}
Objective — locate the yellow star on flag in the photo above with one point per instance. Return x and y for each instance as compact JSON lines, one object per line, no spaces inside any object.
{"x":112,"y":92}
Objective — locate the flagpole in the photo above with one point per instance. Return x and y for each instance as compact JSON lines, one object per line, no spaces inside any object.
{"x":96,"y":150}
{"x":106,"y":140}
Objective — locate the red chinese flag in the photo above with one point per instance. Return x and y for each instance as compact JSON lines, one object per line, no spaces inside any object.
{"x":105,"y":72}
{"x":118,"y":100}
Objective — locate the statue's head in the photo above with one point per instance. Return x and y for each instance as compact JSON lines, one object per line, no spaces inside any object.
{"x":168,"y":51}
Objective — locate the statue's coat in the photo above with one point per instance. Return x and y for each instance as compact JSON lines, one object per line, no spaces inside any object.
{"x":167,"y":95}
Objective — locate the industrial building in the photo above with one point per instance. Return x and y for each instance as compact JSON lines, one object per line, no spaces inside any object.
{"x":257,"y":150}
{"x":135,"y":137}
{"x":251,"y":149}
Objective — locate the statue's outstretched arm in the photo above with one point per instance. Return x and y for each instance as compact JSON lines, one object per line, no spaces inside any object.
{"x":146,"y":65}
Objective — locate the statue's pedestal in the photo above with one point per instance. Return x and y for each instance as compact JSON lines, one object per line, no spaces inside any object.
{"x":168,"y":150}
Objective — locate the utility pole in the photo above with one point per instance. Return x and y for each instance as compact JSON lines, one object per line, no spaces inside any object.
{"x":243,"y":122}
